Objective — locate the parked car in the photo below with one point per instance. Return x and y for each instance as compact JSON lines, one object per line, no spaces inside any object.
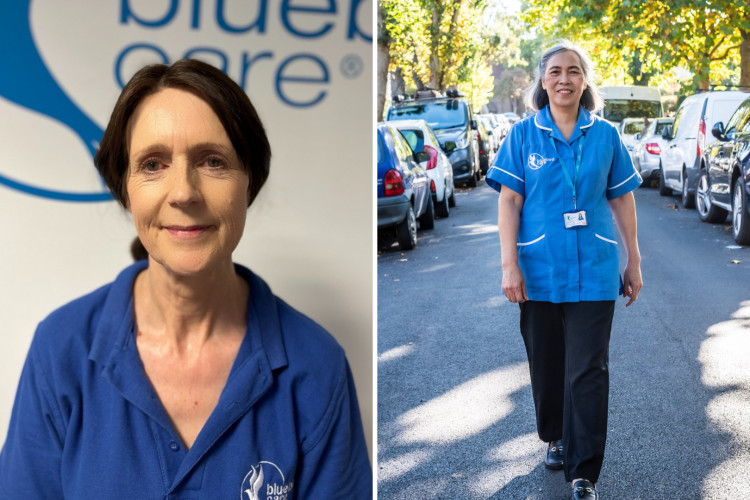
{"x":648,"y":149}
{"x":493,"y":130}
{"x":402,"y":188}
{"x":504,"y":124}
{"x":512,"y":118}
{"x":631,"y":101}
{"x":681,"y":157}
{"x":724,"y":183}
{"x":420,"y":137}
{"x":629,"y":128}
{"x":453,"y":122}
{"x":486,"y":145}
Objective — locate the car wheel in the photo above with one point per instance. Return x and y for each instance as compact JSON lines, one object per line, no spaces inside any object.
{"x":707,"y":211}
{"x":740,"y":222}
{"x":472,"y":183}
{"x":443,"y":207}
{"x":663,"y":189}
{"x":452,"y":197}
{"x":427,"y":219}
{"x":406,"y":233}
{"x":688,"y":200}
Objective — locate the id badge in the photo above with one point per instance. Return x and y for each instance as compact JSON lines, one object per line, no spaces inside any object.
{"x":575,"y":219}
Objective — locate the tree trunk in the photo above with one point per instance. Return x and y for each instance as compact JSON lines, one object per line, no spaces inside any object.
{"x":384,"y":58}
{"x":745,"y":59}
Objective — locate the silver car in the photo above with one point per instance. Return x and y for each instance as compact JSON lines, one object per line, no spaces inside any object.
{"x":648,"y":147}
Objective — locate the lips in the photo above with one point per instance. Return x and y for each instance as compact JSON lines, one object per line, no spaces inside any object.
{"x":187,"y":231}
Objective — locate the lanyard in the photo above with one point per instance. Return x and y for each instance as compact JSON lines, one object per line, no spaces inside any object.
{"x":571,"y":182}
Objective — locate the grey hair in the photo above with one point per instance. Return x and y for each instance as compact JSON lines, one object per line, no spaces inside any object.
{"x":591,"y":99}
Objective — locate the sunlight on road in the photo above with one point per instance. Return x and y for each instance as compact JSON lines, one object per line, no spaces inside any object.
{"x":724,"y":356}
{"x":396,"y":352}
{"x":395,"y":467}
{"x":514,"y":458}
{"x":479,"y":228}
{"x":465,"y":410}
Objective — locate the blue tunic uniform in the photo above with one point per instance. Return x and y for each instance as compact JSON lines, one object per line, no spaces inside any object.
{"x":87,"y":423}
{"x":559,"y":264}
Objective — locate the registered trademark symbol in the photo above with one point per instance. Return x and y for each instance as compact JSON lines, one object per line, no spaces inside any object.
{"x":352,"y":66}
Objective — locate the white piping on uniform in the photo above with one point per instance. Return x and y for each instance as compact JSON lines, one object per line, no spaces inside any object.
{"x":531,"y":242}
{"x":623,"y":182}
{"x":537,"y":123}
{"x":505,"y":171}
{"x":605,"y":239}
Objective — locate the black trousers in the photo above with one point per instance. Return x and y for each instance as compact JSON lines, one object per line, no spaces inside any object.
{"x":568,"y":349}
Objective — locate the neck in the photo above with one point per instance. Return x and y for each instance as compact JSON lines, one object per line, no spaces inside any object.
{"x":186,"y":312}
{"x":564,"y":116}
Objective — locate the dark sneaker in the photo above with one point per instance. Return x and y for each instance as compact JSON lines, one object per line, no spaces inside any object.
{"x":584,"y":490}
{"x":554,"y":460}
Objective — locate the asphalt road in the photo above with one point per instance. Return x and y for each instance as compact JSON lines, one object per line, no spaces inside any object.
{"x":455,"y":414}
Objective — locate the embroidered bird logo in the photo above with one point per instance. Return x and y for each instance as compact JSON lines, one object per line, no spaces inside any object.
{"x":256,"y":483}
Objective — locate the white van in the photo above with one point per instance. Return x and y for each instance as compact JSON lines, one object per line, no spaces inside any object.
{"x":631,"y":101}
{"x":681,"y":156}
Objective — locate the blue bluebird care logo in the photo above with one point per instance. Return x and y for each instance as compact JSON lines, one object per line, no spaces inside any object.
{"x":300,"y":80}
{"x":265,"y":481}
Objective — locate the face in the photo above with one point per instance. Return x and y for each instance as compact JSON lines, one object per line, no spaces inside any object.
{"x":564,"y":80}
{"x":186,"y":187}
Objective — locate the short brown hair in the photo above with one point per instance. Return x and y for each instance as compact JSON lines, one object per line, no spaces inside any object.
{"x":227,"y":99}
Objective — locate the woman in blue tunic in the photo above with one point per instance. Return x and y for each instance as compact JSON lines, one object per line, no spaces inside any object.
{"x":562,"y":175}
{"x":186,"y":377}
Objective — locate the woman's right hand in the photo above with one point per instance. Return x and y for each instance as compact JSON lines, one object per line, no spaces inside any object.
{"x":514,"y":284}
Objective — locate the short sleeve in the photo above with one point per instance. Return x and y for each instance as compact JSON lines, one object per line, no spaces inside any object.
{"x":508,"y":167}
{"x":623,"y":177}
{"x":336,"y":465}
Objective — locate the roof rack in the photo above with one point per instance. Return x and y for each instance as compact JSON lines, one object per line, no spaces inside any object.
{"x":427,"y":93}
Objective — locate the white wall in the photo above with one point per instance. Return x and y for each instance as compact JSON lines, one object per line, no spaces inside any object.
{"x":309,"y":234}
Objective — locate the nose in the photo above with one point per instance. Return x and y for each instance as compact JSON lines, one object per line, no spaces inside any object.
{"x":184,"y":185}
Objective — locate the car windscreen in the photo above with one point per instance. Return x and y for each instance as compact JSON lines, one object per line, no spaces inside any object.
{"x":616,"y":110}
{"x":439,"y":115}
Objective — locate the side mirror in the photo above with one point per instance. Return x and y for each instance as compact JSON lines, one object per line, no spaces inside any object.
{"x":449,"y":146}
{"x":421,"y":156}
{"x":489,"y":132}
{"x":667,"y":133}
{"x":718,"y":131}
{"x":473,"y":124}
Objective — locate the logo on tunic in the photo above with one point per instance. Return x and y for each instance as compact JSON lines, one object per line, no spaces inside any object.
{"x":265,"y":481}
{"x":537,"y":161}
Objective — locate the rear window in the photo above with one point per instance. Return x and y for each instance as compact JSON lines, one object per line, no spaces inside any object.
{"x":632,"y":128}
{"x":660,"y":126}
{"x":438,"y":115}
{"x":415,"y":138}
{"x":616,"y":110}
{"x":381,"y":150}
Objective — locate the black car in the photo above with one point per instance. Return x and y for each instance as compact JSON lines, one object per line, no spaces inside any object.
{"x":453,"y":122}
{"x":724,"y":184}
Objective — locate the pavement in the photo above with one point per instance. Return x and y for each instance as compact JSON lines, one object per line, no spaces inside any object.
{"x":455,"y":414}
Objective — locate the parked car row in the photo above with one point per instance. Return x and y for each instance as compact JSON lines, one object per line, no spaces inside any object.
{"x":712,"y":176}
{"x":414,"y":180}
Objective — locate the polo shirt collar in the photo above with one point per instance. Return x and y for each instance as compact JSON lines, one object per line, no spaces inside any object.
{"x":117,"y":320}
{"x":543,"y":121}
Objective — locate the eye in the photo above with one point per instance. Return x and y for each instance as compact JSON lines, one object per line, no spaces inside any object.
{"x":151,"y":165}
{"x":214,"y":162}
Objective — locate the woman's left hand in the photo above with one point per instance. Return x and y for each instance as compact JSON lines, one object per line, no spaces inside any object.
{"x":632,"y":282}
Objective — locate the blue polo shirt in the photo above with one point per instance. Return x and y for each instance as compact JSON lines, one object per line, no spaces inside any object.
{"x":559,"y":264}
{"x":87,"y":423}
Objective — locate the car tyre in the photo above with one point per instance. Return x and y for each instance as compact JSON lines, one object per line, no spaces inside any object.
{"x":663,"y":189}
{"x":707,"y":211}
{"x":740,"y":220}
{"x":406,"y":232}
{"x":427,"y":219}
{"x":472,"y":182}
{"x":452,"y":197}
{"x":688,"y":200}
{"x":443,"y":207}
